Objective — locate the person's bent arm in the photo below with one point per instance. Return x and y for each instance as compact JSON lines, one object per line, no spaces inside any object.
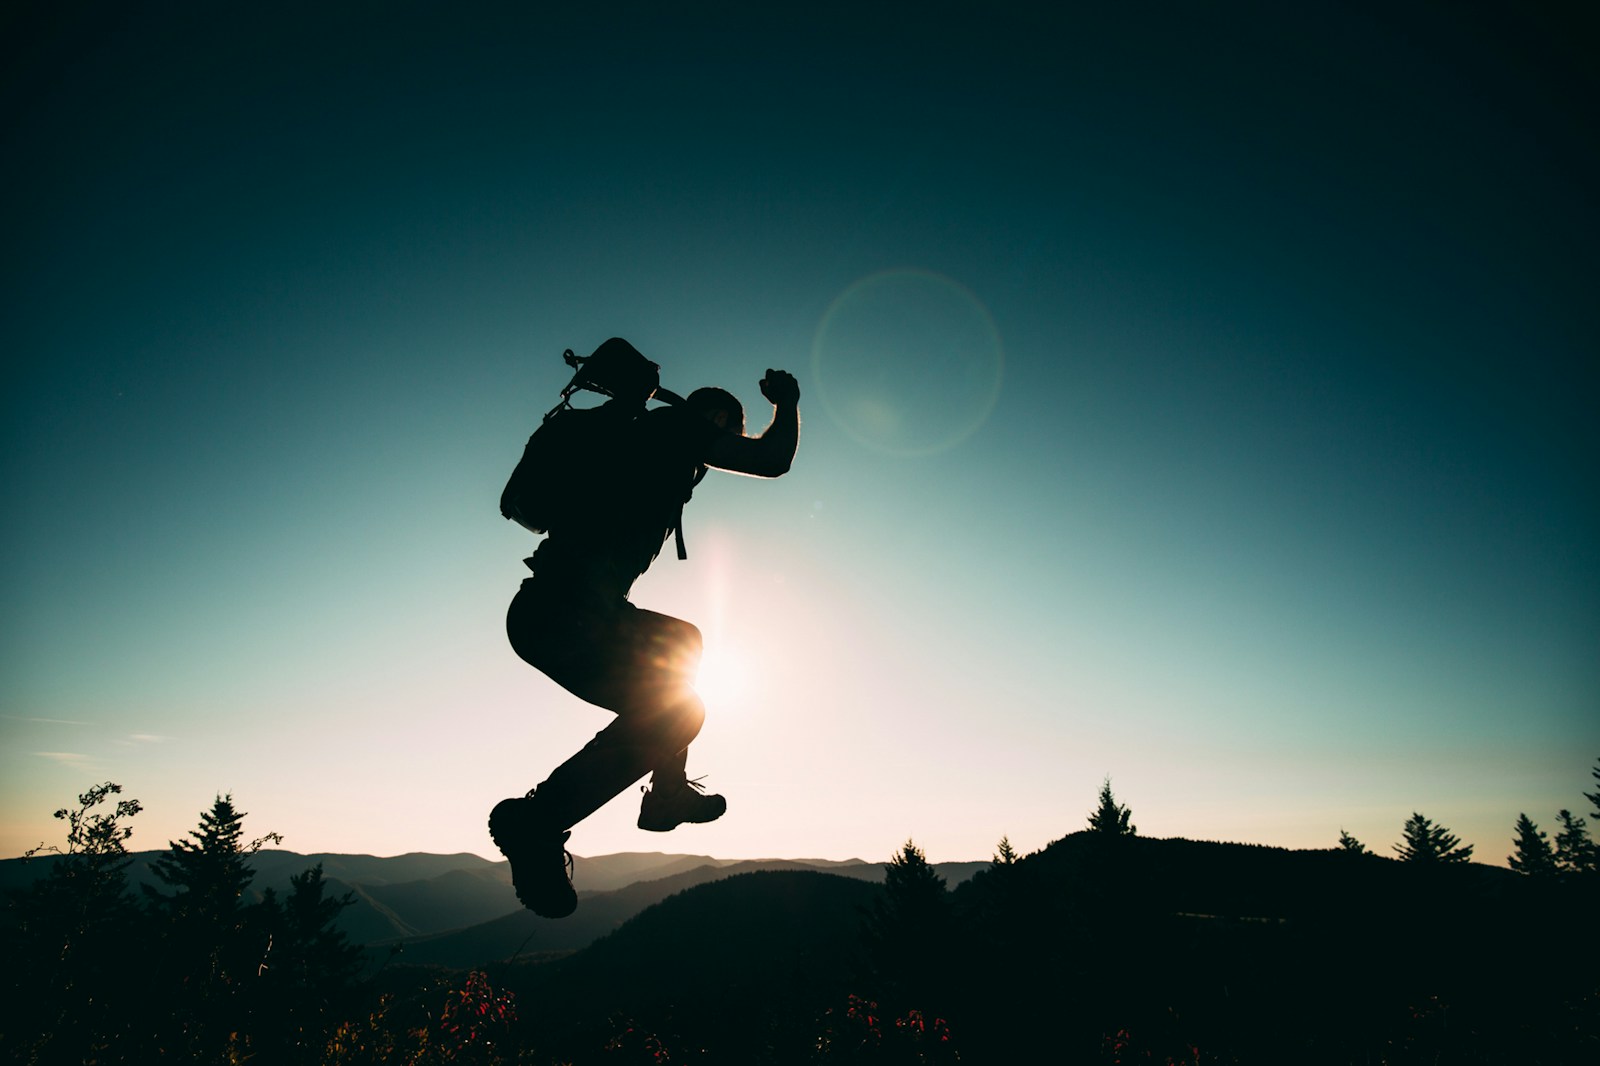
{"x":772,"y":453}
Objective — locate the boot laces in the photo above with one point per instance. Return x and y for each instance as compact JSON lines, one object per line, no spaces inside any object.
{"x":688,"y":782}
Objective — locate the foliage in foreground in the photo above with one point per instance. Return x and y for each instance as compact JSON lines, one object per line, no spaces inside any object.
{"x":1104,"y":948}
{"x":193,"y":973}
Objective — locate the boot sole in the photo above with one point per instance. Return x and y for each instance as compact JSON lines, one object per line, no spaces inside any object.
{"x":557,"y":901}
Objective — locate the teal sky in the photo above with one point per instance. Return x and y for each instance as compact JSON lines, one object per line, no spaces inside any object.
{"x":1201,"y":395}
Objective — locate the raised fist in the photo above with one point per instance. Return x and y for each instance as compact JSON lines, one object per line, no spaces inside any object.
{"x":780,"y":387}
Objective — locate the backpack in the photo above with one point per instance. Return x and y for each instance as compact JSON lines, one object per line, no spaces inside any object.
{"x":572,"y":470}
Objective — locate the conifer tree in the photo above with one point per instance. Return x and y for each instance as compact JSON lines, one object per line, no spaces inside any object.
{"x":213,"y":940}
{"x":1533,"y":855}
{"x":1111,"y":818}
{"x":1594,"y":797}
{"x":1575,"y":853}
{"x":913,"y":888}
{"x":1352,"y":845}
{"x":208,"y":874}
{"x":907,"y":932}
{"x":1428,"y":843}
{"x":307,"y":972}
{"x":1001,"y":886}
{"x":306,"y":942}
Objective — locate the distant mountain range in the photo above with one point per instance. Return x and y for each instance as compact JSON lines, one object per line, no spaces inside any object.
{"x":460,"y":910}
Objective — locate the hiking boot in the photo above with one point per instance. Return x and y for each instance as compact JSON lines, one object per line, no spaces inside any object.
{"x":667,"y":807}
{"x":541,"y":868}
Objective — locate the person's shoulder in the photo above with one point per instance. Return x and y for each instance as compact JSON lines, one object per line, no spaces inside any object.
{"x":674,"y":418}
{"x":681,"y":425}
{"x":671,"y":412}
{"x":608,"y":414}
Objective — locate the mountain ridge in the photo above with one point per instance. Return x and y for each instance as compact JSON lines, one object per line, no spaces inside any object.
{"x":459,"y":909}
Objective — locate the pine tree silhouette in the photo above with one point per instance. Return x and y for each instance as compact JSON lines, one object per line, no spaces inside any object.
{"x":212,"y":941}
{"x":307,"y":973}
{"x":1351,"y":844}
{"x":1533,"y":855}
{"x":1110,"y":818}
{"x":907,"y":932}
{"x":1575,"y":853}
{"x":1428,"y":843}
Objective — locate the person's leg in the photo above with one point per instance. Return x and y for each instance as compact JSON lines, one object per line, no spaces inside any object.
{"x":617,"y":757}
{"x":669,"y":713}
{"x":637,"y":664}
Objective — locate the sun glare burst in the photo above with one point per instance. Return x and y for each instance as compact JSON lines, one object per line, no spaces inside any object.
{"x":723,"y":678}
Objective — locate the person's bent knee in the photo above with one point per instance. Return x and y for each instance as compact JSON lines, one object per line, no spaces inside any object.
{"x":693,"y":639}
{"x":670,"y":725}
{"x":688,"y":716}
{"x":678,"y":650}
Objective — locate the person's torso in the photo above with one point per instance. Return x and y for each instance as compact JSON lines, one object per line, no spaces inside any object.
{"x":631,"y":502}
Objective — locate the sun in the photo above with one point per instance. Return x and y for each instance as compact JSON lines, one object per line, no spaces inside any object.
{"x":723,"y":678}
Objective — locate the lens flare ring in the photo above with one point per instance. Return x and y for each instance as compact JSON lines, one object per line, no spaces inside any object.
{"x":908,"y":362}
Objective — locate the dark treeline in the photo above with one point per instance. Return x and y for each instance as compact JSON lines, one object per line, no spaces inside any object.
{"x":197,"y":969}
{"x":1105,"y":947}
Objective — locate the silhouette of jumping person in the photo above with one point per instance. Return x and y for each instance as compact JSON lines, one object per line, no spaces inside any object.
{"x":573,"y":621}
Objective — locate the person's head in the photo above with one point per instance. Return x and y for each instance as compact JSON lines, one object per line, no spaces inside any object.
{"x":619,"y":370}
{"x":720,"y":406}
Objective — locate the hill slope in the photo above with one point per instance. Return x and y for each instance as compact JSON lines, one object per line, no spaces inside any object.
{"x":1252,"y":954}
{"x":741,"y":961}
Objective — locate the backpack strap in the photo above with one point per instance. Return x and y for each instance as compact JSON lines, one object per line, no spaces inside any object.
{"x":677,"y":523}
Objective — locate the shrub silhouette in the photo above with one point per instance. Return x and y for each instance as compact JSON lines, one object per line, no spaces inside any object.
{"x":69,"y":938}
{"x":198,"y":972}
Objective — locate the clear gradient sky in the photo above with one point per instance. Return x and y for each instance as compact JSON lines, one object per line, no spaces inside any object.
{"x":1202,"y":395}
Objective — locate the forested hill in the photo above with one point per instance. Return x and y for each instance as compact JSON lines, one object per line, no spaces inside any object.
{"x":1207,"y":878}
{"x":1255,"y":954}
